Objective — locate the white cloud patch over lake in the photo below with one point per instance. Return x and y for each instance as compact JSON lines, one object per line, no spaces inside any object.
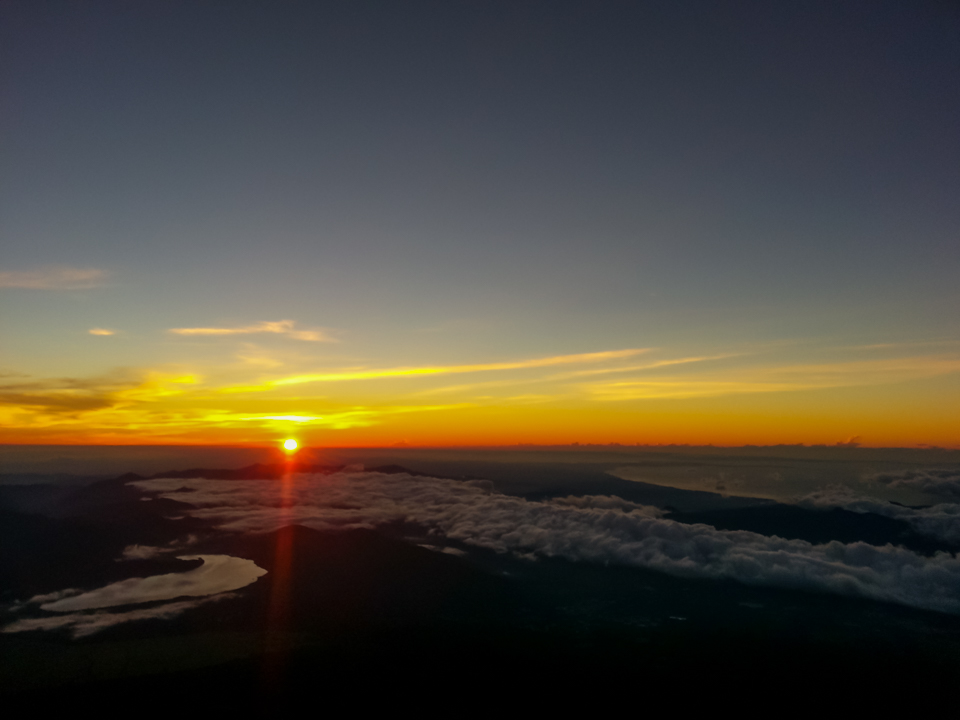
{"x":212,"y":581}
{"x":86,"y":623}
{"x":219,"y":573}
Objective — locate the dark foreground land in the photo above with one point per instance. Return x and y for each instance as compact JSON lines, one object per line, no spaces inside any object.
{"x":365,"y":609}
{"x":376,"y":618}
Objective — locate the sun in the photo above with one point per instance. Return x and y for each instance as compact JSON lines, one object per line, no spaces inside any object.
{"x":290,"y":444}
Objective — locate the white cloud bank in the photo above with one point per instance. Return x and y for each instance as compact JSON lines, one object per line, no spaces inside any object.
{"x":940,"y":521}
{"x":84,"y":624}
{"x":210,"y":582}
{"x":219,"y":573}
{"x":939,"y":483}
{"x":594,"y":529}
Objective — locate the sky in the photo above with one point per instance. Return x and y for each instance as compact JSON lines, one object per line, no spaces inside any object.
{"x":434,"y":223}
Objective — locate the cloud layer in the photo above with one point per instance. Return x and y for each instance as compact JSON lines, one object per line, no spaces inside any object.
{"x":940,"y":521}
{"x":593,"y":529}
{"x":84,"y":624}
{"x":940,"y":483}
{"x":210,"y":582}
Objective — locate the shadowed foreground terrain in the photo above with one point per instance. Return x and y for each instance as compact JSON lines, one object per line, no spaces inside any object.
{"x":399,"y":607}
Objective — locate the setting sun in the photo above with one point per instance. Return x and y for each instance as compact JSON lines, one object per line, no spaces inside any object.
{"x":290,"y":444}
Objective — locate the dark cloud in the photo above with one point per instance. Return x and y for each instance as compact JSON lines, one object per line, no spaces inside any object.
{"x":58,"y":402}
{"x":850,"y":442}
{"x":69,"y":395}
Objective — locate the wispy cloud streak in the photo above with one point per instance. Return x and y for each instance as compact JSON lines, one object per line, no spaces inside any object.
{"x":639,"y":368}
{"x":441,"y":369}
{"x":777,"y":378}
{"x":53,"y":278}
{"x":280,"y":327}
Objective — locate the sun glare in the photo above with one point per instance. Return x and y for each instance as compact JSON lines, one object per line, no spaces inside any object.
{"x":290,"y":444}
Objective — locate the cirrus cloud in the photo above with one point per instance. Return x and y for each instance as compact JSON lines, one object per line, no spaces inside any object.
{"x":279,"y":327}
{"x":53,"y":278}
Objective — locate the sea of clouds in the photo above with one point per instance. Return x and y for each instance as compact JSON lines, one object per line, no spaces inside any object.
{"x":598,"y":529}
{"x":941,"y":483}
{"x":940,"y":521}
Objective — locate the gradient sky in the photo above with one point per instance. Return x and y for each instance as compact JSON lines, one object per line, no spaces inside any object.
{"x":365,"y":223}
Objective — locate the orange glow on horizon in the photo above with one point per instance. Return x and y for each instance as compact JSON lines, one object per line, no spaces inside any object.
{"x":721,"y":399}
